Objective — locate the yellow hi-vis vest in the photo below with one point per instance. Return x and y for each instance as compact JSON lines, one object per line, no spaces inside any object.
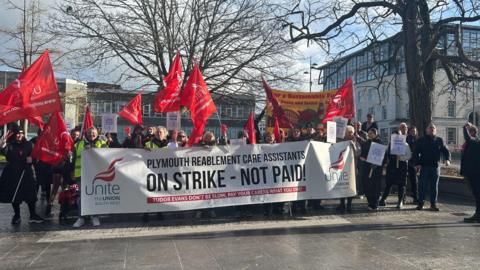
{"x":78,"y":155}
{"x":151,"y":145}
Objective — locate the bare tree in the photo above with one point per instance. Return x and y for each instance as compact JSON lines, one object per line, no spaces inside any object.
{"x":28,"y":39}
{"x":232,"y":41}
{"x":423,"y":26}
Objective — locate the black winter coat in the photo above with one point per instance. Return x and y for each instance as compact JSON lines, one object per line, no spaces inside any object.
{"x":470,"y":165}
{"x":16,"y":154}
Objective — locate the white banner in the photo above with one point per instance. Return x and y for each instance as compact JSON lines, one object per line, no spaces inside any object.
{"x":138,"y":181}
{"x":109,"y":123}
{"x":397,"y":144}
{"x":341,"y":126}
{"x":173,"y":120}
{"x":331,"y":132}
{"x":376,"y":153}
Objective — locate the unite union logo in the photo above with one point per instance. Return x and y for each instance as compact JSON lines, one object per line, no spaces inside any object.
{"x":104,"y":191}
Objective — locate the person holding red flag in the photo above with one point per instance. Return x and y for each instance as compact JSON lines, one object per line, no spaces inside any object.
{"x":132,"y":112}
{"x":34,"y":93}
{"x":17,"y":183}
{"x":197,"y":99}
{"x":168,"y":99}
{"x":342,"y":104}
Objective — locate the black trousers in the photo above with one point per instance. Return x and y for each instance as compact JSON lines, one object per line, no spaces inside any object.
{"x":412,"y":178}
{"x":475,"y":184}
{"x":388,"y":188}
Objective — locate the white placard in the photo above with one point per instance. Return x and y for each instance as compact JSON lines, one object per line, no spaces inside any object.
{"x":397,"y":144}
{"x":109,"y":123}
{"x":241,"y":141}
{"x":173,"y":120}
{"x":341,"y":126}
{"x":139,"y":181}
{"x":331,"y":132}
{"x":69,"y":123}
{"x":376,"y":153}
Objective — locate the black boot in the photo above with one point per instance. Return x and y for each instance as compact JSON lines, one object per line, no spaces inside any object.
{"x":473,"y":219}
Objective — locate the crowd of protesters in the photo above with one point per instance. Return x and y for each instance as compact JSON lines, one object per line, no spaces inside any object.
{"x":24,"y":177}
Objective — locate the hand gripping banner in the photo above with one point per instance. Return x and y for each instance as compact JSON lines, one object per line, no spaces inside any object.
{"x":139,"y":181}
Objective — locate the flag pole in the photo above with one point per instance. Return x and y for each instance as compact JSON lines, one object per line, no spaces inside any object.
{"x":220,"y":121}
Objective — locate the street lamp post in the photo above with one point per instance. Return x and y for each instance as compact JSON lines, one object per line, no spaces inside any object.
{"x":310,"y":66}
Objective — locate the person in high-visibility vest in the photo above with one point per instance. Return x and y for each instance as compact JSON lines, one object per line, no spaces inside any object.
{"x":159,"y":140}
{"x":91,"y":141}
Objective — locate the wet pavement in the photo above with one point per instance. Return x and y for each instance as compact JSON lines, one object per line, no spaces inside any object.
{"x":385,"y":239}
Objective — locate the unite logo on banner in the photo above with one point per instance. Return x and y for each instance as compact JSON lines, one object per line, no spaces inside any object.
{"x":102,"y":187}
{"x":336,"y":172}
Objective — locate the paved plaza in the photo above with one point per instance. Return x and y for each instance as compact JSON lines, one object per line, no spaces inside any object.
{"x":386,"y":239}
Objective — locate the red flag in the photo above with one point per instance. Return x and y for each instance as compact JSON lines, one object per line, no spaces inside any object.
{"x":223,"y":129}
{"x":132,"y":112}
{"x":54,"y":142}
{"x":37,"y":121}
{"x":87,"y":121}
{"x":277,"y":110}
{"x":276,"y":131}
{"x":34,"y":93}
{"x":250,"y":127}
{"x":197,"y":99}
{"x":168,"y":99}
{"x":342,"y":103}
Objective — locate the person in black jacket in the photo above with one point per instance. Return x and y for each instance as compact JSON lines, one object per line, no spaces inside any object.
{"x":412,"y":138}
{"x":371,"y":174}
{"x":426,"y":157}
{"x":366,"y":126}
{"x":470,"y":167}
{"x":17,"y":183}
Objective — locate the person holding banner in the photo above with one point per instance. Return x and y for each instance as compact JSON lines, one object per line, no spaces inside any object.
{"x":397,"y":167}
{"x":371,"y":174}
{"x":356,"y":148}
{"x":299,"y":206}
{"x":428,"y":151}
{"x":208,"y":140}
{"x":182,"y":138}
{"x":136,"y":140}
{"x":91,"y":141}
{"x":271,"y":208}
{"x":159,"y":140}
{"x":17,"y":183}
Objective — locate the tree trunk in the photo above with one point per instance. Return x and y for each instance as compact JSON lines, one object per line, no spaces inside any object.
{"x":420,"y":75}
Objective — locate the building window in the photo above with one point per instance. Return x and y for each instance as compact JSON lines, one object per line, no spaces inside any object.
{"x":228,"y":111}
{"x":359,"y":115}
{"x":94,"y":108}
{"x":384,"y":112}
{"x":451,"y":108}
{"x":384,"y":134}
{"x":371,"y":111}
{"x":240,"y":112}
{"x":107,"y":107}
{"x":146,"y":110}
{"x":119,"y":106}
{"x":451,"y":135}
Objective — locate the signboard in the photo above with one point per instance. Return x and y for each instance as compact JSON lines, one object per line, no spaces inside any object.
{"x":109,"y":123}
{"x":341,"y":126}
{"x":331,"y":132}
{"x":139,"y":181}
{"x":173,"y":120}
{"x":376,"y":153}
{"x":397,"y":144}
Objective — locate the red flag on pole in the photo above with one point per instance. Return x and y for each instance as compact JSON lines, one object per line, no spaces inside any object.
{"x":54,"y":142}
{"x":37,"y":121}
{"x":197,"y":99}
{"x":168,"y":99}
{"x":132,"y":112}
{"x":342,"y":103}
{"x":277,"y":110}
{"x":87,"y":121}
{"x":276,"y":131}
{"x":34,"y":93}
{"x":250,"y":128}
